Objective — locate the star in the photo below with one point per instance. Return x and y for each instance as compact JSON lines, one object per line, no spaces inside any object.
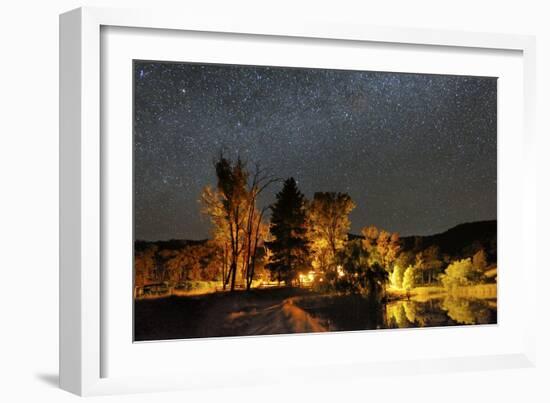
{"x":416,"y":152}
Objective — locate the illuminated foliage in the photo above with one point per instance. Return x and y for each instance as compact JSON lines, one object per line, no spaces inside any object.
{"x":428,"y":265}
{"x":144,"y":267}
{"x":460,"y":273}
{"x":370,"y":235}
{"x":396,"y":277}
{"x":238,"y":226}
{"x":356,"y":275}
{"x":328,"y":225}
{"x":409,"y":278}
{"x":405,"y":259}
{"x":383,"y":246}
{"x":479,"y":261}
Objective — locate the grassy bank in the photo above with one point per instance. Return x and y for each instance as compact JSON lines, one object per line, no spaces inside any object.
{"x":190,"y":288}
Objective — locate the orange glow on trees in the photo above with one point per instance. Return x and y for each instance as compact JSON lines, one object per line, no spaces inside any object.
{"x":355,"y":274}
{"x":328,"y":226}
{"x":238,"y":226}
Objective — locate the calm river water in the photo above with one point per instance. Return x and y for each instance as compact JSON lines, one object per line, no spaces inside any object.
{"x":355,"y":313}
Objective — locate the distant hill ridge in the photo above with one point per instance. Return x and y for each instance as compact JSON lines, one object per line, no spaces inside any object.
{"x":172,"y":244}
{"x":461,"y":240}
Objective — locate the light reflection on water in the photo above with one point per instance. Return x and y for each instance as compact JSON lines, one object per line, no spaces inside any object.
{"x":446,"y":311}
{"x":345,"y":313}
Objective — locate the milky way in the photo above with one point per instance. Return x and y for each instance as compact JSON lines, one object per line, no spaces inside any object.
{"x":416,"y":152}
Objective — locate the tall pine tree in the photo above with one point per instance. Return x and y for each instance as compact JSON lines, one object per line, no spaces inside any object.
{"x":289,"y":247}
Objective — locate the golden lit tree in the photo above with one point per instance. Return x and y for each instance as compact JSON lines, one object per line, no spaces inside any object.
{"x":397,"y":275}
{"x":237,"y":223}
{"x":409,"y":278}
{"x":227,"y":208}
{"x":212,"y":206}
{"x":328,"y":225}
{"x":392,"y":250}
{"x":383,"y":244}
{"x":370,"y":236}
{"x":191,"y":263}
{"x":383,"y":247}
{"x":405,"y":259}
{"x":255,"y":229}
{"x":479,"y":260}
{"x":357,"y":275}
{"x":428,"y":264}
{"x":255,"y":237}
{"x":459,"y":273}
{"x":144,"y":266}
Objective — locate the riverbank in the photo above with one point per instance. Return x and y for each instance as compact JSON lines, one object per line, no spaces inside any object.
{"x":287,"y":310}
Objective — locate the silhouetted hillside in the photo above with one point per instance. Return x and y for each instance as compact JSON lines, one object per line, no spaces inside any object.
{"x":172,"y":244}
{"x":460,"y":241}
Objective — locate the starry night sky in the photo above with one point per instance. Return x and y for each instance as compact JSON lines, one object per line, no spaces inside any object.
{"x":417,"y":153}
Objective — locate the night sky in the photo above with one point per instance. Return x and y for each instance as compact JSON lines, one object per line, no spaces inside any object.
{"x":417,"y":153}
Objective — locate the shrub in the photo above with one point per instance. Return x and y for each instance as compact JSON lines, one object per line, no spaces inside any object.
{"x":409,"y":278}
{"x":397,"y":277}
{"x":460,"y":273}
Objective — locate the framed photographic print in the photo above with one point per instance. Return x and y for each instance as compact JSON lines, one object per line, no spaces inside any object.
{"x":288,"y":166}
{"x":315,"y":195}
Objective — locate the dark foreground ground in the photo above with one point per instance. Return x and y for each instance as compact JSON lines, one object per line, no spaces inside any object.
{"x":262,"y":311}
{"x":295,"y":310}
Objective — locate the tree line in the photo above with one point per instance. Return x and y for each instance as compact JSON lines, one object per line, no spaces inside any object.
{"x":294,"y":237}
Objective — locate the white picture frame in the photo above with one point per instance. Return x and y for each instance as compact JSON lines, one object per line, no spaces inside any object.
{"x":82,"y":298}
